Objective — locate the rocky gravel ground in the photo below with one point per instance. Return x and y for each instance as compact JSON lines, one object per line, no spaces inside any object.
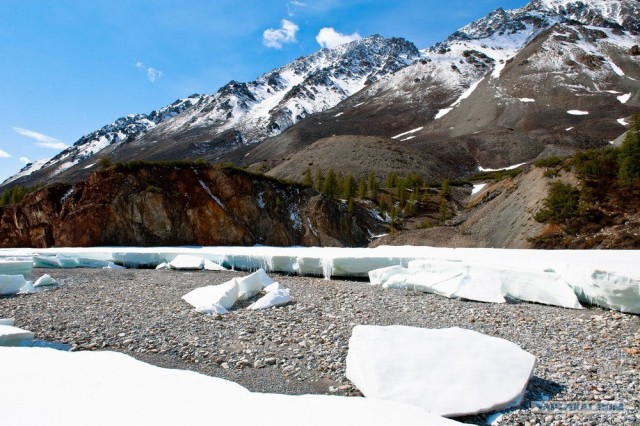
{"x":585,"y":356}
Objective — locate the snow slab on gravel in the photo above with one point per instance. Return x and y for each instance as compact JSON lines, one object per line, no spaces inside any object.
{"x":109,"y":388}
{"x":451,"y":371}
{"x":12,"y":336}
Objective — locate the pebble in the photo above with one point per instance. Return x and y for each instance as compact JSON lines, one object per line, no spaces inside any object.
{"x":302,"y":347}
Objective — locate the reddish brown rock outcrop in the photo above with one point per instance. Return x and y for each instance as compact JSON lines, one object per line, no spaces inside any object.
{"x":156,"y":205}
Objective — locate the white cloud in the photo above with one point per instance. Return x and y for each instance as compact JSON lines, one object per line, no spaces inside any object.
{"x":330,"y":38}
{"x":44,"y":141}
{"x":24,"y":160}
{"x":293,"y":5}
{"x":152,"y":73}
{"x":5,"y":154}
{"x":277,"y":37}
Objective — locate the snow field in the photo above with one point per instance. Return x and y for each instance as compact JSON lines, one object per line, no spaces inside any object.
{"x":145,"y":394}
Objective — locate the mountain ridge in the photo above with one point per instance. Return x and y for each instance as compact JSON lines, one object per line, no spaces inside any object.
{"x":459,"y":105}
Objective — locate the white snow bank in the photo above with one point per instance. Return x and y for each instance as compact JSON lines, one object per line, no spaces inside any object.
{"x":13,"y":336}
{"x":624,"y":98}
{"x":407,"y":133}
{"x":613,"y":289}
{"x":203,"y":298}
{"x":12,"y":284}
{"x":515,"y":166}
{"x":623,"y":121}
{"x":451,"y":372}
{"x":577,"y":112}
{"x":477,"y":188}
{"x":16,"y":267}
{"x":477,"y":282}
{"x":441,"y":113}
{"x":272,"y":298}
{"x":357,"y":262}
{"x":45,"y":280}
{"x":136,"y":393}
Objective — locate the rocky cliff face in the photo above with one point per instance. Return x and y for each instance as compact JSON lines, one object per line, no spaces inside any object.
{"x":168,"y":205}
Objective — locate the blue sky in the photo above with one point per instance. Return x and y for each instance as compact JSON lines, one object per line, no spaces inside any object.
{"x":71,"y":66}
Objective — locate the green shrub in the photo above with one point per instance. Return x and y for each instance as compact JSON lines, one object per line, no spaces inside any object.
{"x":549,"y":162}
{"x":561,"y":205}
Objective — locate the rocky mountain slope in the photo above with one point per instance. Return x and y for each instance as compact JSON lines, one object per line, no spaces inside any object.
{"x":547,"y":78}
{"x":551,"y":77}
{"x":183,"y":204}
{"x":237,"y":115}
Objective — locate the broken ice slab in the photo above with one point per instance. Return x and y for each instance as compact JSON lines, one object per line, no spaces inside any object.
{"x":451,"y":371}
{"x":11,"y":284}
{"x":45,"y":280}
{"x":7,"y":321}
{"x":225,"y":295}
{"x":547,"y":288}
{"x":187,"y":262}
{"x":615,"y":288}
{"x":13,"y":336}
{"x":16,"y":267}
{"x":271,"y":299}
{"x":252,"y":284}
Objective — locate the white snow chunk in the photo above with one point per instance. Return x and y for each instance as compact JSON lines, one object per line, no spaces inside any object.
{"x":163,"y":265}
{"x":11,"y":284}
{"x":210,"y":265}
{"x":251,"y":285}
{"x":441,"y":113}
{"x":407,"y":139}
{"x":382,"y":275}
{"x":577,"y":112}
{"x":16,"y":267}
{"x":407,"y":133}
{"x":612,"y":289}
{"x":477,"y":188}
{"x":547,"y":288}
{"x":623,"y":122}
{"x":7,"y":321}
{"x":451,"y":372}
{"x":146,"y":394}
{"x":272,"y":298}
{"x":274,"y":287}
{"x":526,"y":100}
{"x":187,"y":262}
{"x":45,"y":280}
{"x":568,"y":129}
{"x":339,"y":114}
{"x":225,"y":295}
{"x":13,"y":336}
{"x":624,"y":98}
{"x":212,"y":309}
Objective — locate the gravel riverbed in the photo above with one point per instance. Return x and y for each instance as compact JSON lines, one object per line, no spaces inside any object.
{"x":586,"y":356}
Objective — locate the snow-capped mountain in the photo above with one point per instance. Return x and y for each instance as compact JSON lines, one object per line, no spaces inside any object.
{"x":550,"y":77}
{"x":547,"y":78}
{"x":238,"y":113}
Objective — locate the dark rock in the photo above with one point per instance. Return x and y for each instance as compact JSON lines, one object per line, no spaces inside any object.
{"x":159,"y":205}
